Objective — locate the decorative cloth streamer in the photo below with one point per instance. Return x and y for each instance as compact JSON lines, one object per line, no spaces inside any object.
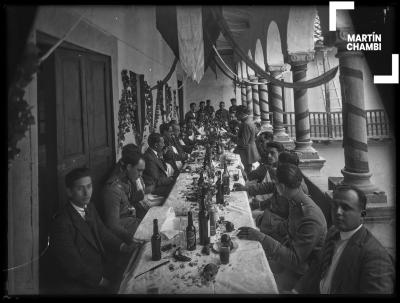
{"x":329,"y":75}
{"x":168,"y":76}
{"x":190,"y":39}
{"x":53,"y":48}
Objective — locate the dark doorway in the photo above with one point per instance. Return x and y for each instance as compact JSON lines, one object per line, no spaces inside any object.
{"x":75,"y":125}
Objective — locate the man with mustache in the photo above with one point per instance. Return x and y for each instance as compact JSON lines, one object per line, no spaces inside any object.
{"x":353,"y":261}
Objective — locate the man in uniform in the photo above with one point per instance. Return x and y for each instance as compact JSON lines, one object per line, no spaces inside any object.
{"x":222,"y":114}
{"x":121,"y":203}
{"x":191,"y":114}
{"x":232,"y":108}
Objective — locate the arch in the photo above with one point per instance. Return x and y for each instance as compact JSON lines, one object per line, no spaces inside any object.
{"x":274,"y":46}
{"x":259,"y":55}
{"x":239,"y":70}
{"x":300,"y":29}
{"x":244,"y":70}
{"x":250,"y":72}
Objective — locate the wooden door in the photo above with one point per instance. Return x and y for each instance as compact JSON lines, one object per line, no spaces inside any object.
{"x":84,"y":116}
{"x":71,"y":113}
{"x":98,"y":100}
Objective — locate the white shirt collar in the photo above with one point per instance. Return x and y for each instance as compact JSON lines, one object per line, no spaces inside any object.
{"x":153,"y":151}
{"x":80,"y":210}
{"x":345,"y":235}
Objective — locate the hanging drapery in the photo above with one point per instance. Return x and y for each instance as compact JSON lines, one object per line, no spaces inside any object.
{"x":184,"y":40}
{"x":190,"y":40}
{"x":329,"y":75}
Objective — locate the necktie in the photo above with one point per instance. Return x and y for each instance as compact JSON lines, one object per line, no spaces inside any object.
{"x":328,"y":252}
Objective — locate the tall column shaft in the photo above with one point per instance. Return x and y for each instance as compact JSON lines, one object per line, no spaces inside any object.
{"x":302,"y":118}
{"x":256,"y":100}
{"x":249,"y":97}
{"x":275,"y":99}
{"x":303,"y":143}
{"x":264,"y":106}
{"x":243,"y":94}
{"x":356,"y":171}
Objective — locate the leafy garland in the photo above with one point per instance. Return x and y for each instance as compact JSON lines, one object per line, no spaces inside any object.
{"x":159,"y":104}
{"x":127,"y":106}
{"x":20,"y":117}
{"x":168,"y":97}
{"x":148,"y":98}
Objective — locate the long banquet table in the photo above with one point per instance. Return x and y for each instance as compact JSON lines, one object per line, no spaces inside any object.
{"x":248,"y":270}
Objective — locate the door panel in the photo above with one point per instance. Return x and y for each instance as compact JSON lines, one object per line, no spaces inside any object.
{"x":99,"y":119}
{"x":72,"y":141}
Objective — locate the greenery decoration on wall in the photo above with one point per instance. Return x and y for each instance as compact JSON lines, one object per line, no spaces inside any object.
{"x":20,"y":117}
{"x":127,"y":106}
{"x":148,"y":98}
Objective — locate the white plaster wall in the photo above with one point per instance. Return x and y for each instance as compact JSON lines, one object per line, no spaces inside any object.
{"x":216,"y":89}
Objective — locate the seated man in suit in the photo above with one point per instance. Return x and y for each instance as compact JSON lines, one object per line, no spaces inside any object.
{"x":155,"y":175}
{"x":303,"y":233}
{"x":209,"y":108}
{"x":352,"y":261}
{"x":201,"y":113}
{"x":83,"y":249}
{"x":232,"y":108}
{"x":121,"y":203}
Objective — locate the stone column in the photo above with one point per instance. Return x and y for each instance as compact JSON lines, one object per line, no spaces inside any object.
{"x":356,"y":171}
{"x":275,"y":99}
{"x":264,"y":106}
{"x":303,"y":143}
{"x":249,"y":97}
{"x":256,"y":100}
{"x":243,"y":93}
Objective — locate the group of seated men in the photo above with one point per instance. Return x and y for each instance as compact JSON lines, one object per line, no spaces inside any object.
{"x":304,"y":256}
{"x":91,"y":241}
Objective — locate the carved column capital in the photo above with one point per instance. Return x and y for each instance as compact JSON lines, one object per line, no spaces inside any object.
{"x":301,"y":58}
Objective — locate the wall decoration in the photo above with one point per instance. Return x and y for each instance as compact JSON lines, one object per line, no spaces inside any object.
{"x":127,"y":114}
{"x":20,"y":117}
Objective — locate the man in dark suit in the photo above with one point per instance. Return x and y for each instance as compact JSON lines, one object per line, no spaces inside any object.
{"x":222,"y":115}
{"x":81,"y":246}
{"x":352,"y":260}
{"x":155,"y":175}
{"x":232,"y":108}
{"x":302,"y":234}
{"x":209,"y":108}
{"x":201,"y":113}
{"x":246,"y":145}
{"x":191,"y":114}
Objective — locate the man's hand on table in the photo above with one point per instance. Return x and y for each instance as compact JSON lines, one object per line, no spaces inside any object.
{"x":239,"y":187}
{"x":125,"y":248}
{"x":249,"y":233}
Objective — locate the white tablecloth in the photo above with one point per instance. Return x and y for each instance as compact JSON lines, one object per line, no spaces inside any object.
{"x":248,"y":270}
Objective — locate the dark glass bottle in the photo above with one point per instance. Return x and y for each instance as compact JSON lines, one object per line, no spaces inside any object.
{"x":200,"y":183}
{"x":220,"y":192}
{"x":225,"y":179}
{"x":155,"y":242}
{"x":204,"y":223}
{"x":190,"y":233}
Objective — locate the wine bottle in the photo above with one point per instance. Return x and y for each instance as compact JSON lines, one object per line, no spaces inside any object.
{"x":201,"y":180}
{"x":190,"y":233}
{"x":213,"y":224}
{"x":225,"y":179}
{"x":204,"y":223}
{"x":155,"y":242}
{"x":220,"y":192}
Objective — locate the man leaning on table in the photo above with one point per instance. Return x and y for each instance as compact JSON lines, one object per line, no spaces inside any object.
{"x":353,"y":261}
{"x":123,"y":204}
{"x":84,"y":252}
{"x":303,"y":232}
